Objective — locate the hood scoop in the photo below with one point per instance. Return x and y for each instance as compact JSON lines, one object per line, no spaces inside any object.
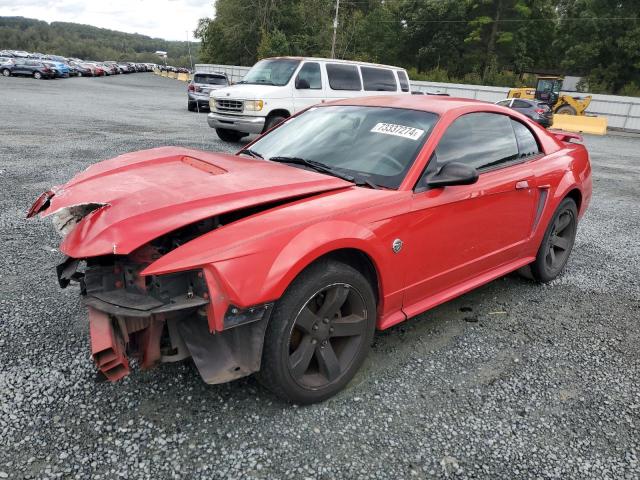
{"x":202,"y":165}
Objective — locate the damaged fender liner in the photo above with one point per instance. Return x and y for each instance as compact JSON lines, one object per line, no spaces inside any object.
{"x":117,"y":331}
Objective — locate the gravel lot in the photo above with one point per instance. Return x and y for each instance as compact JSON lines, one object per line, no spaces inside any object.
{"x":514,"y":380}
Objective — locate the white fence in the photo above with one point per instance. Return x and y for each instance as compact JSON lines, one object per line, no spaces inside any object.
{"x":622,"y":112}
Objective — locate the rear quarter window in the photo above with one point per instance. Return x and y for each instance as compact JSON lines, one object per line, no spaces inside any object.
{"x":378,"y":79}
{"x":527,"y":144}
{"x":343,"y":77}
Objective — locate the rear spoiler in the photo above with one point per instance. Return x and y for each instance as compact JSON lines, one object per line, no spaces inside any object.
{"x":566,"y":136}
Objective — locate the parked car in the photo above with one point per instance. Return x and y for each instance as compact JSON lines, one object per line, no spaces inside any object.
{"x":22,"y":66}
{"x":82,"y":70}
{"x":537,"y":111}
{"x":61,"y":69}
{"x":96,"y":69}
{"x":276,"y":88}
{"x":284,"y":258}
{"x":199,"y":88}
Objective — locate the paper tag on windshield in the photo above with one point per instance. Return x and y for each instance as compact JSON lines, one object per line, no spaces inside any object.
{"x":398,"y":130}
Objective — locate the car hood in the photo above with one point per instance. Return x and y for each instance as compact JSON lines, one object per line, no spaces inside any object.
{"x":250,"y":92}
{"x":137,"y":197}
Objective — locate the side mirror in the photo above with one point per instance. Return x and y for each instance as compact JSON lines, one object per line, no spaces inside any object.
{"x":453,"y":173}
{"x":302,"y":84}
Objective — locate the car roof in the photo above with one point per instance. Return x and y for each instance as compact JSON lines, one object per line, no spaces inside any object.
{"x":428,"y":103}
{"x":335,"y":60}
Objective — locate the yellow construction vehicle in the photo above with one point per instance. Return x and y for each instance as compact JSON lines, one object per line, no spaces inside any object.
{"x":548,"y":91}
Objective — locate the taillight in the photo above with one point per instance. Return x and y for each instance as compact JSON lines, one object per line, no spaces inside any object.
{"x":191,"y":87}
{"x":539,"y":111}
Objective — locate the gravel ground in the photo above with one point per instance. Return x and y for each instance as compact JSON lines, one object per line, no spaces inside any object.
{"x":514,"y":380}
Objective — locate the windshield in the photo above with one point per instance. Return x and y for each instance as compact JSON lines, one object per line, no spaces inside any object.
{"x":549,"y":86}
{"x":271,"y":72}
{"x":209,"y":79}
{"x":374,"y":144}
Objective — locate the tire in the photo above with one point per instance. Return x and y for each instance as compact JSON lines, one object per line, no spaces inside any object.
{"x":227,"y":135}
{"x":566,"y":110}
{"x":37,"y":75}
{"x":191,"y":106}
{"x":557,"y":243}
{"x":79,"y":74}
{"x":307,"y":356}
{"x":6,"y":72}
{"x":272,"y":122}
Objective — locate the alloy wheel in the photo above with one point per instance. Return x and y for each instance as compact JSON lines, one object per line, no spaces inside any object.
{"x":560,"y":240}
{"x":326,"y":336}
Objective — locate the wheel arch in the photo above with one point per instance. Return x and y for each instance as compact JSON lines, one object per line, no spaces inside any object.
{"x":282,"y":112}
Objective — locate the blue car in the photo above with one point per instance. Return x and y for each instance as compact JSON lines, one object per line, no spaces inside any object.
{"x":62,"y":69}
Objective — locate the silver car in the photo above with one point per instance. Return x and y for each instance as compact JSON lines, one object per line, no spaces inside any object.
{"x":200,"y":87}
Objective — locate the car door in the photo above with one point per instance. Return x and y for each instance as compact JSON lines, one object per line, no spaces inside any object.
{"x":459,"y":233}
{"x":308,"y":86}
{"x":20,"y":68}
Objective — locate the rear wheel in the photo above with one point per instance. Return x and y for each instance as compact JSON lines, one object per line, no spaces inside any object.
{"x":320,"y":333}
{"x":566,"y":110}
{"x":37,"y":75}
{"x":191,"y":106}
{"x":557,"y":243}
{"x":227,"y":135}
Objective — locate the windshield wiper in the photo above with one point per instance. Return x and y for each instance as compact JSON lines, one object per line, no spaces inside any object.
{"x":252,"y":153}
{"x":315,"y":165}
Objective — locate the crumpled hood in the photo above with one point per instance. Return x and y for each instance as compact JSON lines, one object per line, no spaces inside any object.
{"x":149,"y":193}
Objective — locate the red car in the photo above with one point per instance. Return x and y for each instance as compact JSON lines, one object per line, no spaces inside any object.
{"x":284,"y":258}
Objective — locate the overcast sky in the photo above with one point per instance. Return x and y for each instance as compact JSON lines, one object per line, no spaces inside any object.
{"x":169,"y":19}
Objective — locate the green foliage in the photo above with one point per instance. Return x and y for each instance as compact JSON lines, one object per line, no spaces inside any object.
{"x":88,"y":43}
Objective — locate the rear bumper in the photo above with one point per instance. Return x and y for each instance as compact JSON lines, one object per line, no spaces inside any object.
{"x":244,"y":124}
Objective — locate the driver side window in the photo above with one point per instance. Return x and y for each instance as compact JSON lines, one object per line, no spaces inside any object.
{"x":311,"y":73}
{"x":479,"y":140}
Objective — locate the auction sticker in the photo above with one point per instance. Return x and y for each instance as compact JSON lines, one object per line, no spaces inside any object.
{"x":398,"y":130}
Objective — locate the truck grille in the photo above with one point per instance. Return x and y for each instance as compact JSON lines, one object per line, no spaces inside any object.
{"x":229,"y":105}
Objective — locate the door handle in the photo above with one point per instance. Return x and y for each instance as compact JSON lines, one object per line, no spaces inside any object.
{"x":522,"y":184}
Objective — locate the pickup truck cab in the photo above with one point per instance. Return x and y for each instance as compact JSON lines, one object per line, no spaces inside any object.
{"x":276,"y":88}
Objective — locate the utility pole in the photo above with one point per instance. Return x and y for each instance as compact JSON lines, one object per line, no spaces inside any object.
{"x":335,"y":28}
{"x":189,"y":47}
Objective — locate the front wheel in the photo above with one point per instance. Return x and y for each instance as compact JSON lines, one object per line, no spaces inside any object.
{"x":272,"y":121}
{"x":227,"y":135}
{"x":557,"y":243}
{"x":566,"y":110}
{"x":37,"y":75}
{"x":320,"y":333}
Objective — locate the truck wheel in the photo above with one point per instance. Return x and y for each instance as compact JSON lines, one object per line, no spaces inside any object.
{"x":273,"y":121}
{"x":37,"y":75}
{"x":227,"y":135}
{"x":319,"y":334}
{"x":6,"y":72}
{"x":566,"y":110}
{"x":557,"y":243}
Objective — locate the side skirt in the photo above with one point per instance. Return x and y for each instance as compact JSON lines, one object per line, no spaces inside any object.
{"x":456,"y":291}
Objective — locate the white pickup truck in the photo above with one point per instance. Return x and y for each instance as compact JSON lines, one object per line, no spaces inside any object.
{"x":276,"y":88}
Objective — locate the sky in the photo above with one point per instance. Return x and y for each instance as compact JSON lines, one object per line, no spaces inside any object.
{"x":168,"y":19}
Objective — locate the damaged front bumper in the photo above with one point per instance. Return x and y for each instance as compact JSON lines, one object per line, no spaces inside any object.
{"x":163,"y":318}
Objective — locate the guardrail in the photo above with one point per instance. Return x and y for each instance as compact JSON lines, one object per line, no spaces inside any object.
{"x":622,"y":113}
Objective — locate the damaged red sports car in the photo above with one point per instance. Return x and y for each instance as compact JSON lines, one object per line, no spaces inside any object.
{"x":284,"y":258}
